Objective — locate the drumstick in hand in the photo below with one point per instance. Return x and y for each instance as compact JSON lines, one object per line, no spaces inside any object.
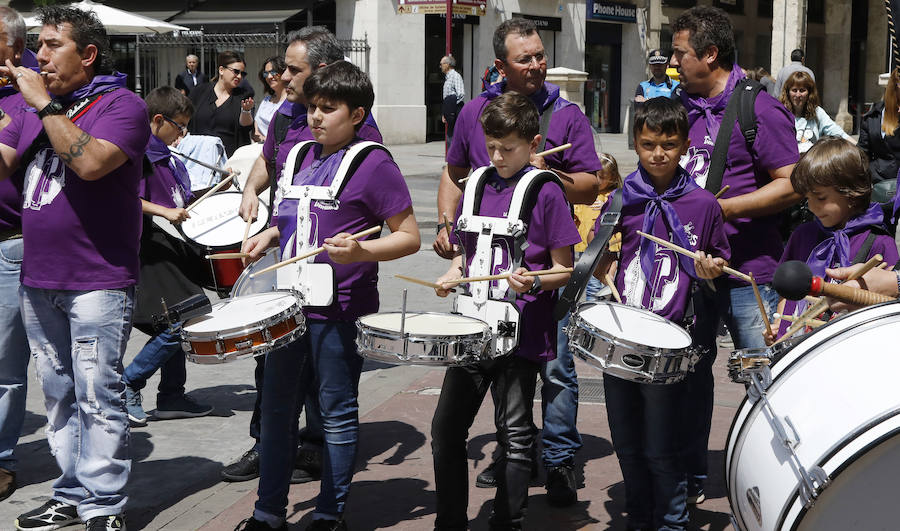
{"x":225,"y":256}
{"x":502,"y":276}
{"x":723,"y":190}
{"x":762,"y":307}
{"x":419,"y":281}
{"x":550,"y":151}
{"x":370,"y":230}
{"x":692,"y":254}
{"x":246,"y":231}
{"x":211,"y":191}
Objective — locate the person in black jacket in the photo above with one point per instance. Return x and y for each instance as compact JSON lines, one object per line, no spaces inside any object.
{"x":191,"y":76}
{"x":879,"y":137}
{"x":224,"y":108}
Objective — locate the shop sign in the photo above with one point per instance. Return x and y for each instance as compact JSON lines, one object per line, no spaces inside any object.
{"x":436,"y":7}
{"x":543,"y":23}
{"x":611,"y":11}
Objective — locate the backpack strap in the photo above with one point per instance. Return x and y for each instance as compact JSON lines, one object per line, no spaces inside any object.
{"x":747,"y":111}
{"x":863,"y":254}
{"x":741,"y":103}
{"x":545,"y":125}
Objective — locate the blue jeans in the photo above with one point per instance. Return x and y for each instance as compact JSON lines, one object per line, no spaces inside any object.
{"x":738,"y":307}
{"x":77,"y":339}
{"x":559,"y":404}
{"x":327,"y":353}
{"x":162,"y":351}
{"x":644,"y":421}
{"x":13,"y":353}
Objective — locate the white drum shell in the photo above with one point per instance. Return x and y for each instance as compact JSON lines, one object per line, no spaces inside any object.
{"x":837,"y":393}
{"x":427,"y":339}
{"x":215,"y":224}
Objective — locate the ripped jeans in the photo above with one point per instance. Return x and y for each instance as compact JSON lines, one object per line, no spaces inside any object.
{"x":77,"y":340}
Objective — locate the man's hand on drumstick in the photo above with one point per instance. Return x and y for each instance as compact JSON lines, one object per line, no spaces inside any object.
{"x":176,"y":215}
{"x":257,"y":245}
{"x":877,"y":280}
{"x":342,"y":250}
{"x":519,"y":283}
{"x":708,"y":266}
{"x":452,"y":274}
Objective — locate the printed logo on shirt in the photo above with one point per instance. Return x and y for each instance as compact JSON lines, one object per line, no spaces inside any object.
{"x":663,"y":283}
{"x":327,"y":205}
{"x":696,"y":163}
{"x":176,"y":197}
{"x":500,"y":253}
{"x":45,"y":177}
{"x":693,"y":238}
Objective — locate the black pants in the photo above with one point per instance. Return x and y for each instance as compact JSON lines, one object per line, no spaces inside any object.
{"x":462,"y":393}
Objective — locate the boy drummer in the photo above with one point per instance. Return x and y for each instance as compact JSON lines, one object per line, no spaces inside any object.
{"x":511,"y":125}
{"x":661,"y":199}
{"x":340,"y":96}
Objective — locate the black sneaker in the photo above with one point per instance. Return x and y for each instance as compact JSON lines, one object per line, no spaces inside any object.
{"x":307,"y":466}
{"x":252,"y":524}
{"x":179,"y":407}
{"x":52,"y":515}
{"x":327,"y":525}
{"x":562,"y":489}
{"x":488,"y":477}
{"x":244,"y":469}
{"x":112,"y":522}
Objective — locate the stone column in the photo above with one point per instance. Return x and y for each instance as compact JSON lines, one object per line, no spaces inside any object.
{"x":837,"y":61}
{"x":788,"y":31}
{"x":570,"y":82}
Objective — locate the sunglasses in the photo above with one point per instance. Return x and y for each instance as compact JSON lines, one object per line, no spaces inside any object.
{"x":182,"y":128}
{"x":235,"y":71}
{"x":271,"y":73}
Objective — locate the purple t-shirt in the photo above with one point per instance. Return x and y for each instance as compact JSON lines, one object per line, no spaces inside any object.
{"x":668,"y":292}
{"x":299,"y":131}
{"x":163,"y":187}
{"x":11,"y":189}
{"x":83,"y":235}
{"x":374,"y":193}
{"x":551,"y":227}
{"x":755,"y":242}
{"x":568,"y":125}
{"x":807,"y":236}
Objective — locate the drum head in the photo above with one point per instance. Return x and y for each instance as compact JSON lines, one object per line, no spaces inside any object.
{"x":241,"y":313}
{"x":425,"y":324}
{"x":214,"y":222}
{"x":635,"y":325}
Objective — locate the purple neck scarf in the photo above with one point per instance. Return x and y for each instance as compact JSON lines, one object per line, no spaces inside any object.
{"x":638,"y":190}
{"x":542,"y":99}
{"x":99,"y":83}
{"x":157,"y":150}
{"x":321,"y":170}
{"x":835,"y":249}
{"x":711,"y":108}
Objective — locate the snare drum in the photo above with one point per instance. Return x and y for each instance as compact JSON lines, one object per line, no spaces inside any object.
{"x":243,"y":326}
{"x":260,"y":283}
{"x":215,"y":226}
{"x":423,"y":338}
{"x":743,"y":361}
{"x":631,"y":343}
{"x":815,"y":445}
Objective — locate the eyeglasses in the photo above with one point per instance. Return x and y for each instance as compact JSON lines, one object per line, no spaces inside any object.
{"x":527,"y":59}
{"x":182,"y":128}
{"x":271,"y":73}
{"x":235,"y":71}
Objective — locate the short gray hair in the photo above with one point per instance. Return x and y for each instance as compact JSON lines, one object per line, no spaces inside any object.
{"x":450,"y":60}
{"x":14,"y":24}
{"x":321,"y":45}
{"x":192,"y":55}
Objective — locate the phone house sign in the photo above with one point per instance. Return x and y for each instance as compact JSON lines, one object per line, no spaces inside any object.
{"x":612,"y":11}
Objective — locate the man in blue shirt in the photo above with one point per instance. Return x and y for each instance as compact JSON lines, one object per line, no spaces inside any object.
{"x":659,"y":84}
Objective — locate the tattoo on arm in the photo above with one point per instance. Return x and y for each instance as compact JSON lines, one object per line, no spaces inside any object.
{"x":76,"y":149}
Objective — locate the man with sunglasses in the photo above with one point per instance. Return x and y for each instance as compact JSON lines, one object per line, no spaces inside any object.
{"x":521,"y":58}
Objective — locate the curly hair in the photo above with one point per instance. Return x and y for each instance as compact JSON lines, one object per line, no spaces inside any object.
{"x":86,"y":30}
{"x":708,"y":27}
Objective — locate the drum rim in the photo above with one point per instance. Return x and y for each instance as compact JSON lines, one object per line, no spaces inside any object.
{"x":229,"y":333}
{"x":485,"y":333}
{"x":259,"y":350}
{"x":230,"y":246}
{"x":745,"y":410}
{"x":576,"y":318}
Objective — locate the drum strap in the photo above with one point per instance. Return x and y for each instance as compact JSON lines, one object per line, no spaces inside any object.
{"x":863,"y":254}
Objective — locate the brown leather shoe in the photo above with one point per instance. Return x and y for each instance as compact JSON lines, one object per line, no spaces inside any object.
{"x":7,"y":483}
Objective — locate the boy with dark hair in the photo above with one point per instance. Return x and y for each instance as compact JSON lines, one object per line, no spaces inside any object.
{"x":661,"y":199}
{"x":324,"y":360}
{"x":510,"y":122}
{"x":169,"y":269}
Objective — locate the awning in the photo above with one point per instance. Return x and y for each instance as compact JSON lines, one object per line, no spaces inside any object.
{"x":235,"y":17}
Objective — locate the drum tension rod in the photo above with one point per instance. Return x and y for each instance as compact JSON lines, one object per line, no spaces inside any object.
{"x":403,"y":325}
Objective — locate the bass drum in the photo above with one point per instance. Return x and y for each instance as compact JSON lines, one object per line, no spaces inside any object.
{"x":819,"y":449}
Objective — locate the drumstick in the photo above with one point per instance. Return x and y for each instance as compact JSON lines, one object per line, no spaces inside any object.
{"x":550,"y":151}
{"x":502,"y":276}
{"x":722,"y":191}
{"x":224,"y":256}
{"x":822,"y":305}
{"x":815,"y":323}
{"x":692,"y":254}
{"x":762,"y":307}
{"x":447,"y":224}
{"x":420,"y":282}
{"x":217,"y":169}
{"x":211,"y":191}
{"x":246,"y":231}
{"x":370,"y":230}
{"x":612,"y":287}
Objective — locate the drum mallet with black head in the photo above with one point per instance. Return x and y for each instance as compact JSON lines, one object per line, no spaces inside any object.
{"x":794,"y":280}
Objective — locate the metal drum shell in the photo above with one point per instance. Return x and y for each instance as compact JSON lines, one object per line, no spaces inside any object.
{"x":387,"y":345}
